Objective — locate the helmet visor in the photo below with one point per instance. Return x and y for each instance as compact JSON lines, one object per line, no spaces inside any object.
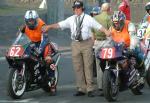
{"x":118,"y":25}
{"x":31,"y":23}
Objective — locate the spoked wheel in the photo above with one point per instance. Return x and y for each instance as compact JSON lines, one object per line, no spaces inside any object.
{"x":110,"y":88}
{"x":16,"y":84}
{"x":46,"y":87}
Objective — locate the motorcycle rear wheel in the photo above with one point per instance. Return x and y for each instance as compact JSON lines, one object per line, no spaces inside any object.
{"x":15,"y":89}
{"x":110,"y":88}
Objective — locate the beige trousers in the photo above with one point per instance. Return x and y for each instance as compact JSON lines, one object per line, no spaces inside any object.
{"x":83,"y":64}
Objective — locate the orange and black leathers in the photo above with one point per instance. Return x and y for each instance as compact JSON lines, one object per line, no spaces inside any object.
{"x":36,"y":36}
{"x":123,"y":35}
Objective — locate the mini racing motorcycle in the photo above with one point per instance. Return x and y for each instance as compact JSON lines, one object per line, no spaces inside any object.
{"x":143,"y":50}
{"x":28,"y":72}
{"x":120,"y":71}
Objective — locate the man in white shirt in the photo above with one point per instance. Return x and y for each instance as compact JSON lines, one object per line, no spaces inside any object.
{"x":82,"y":46}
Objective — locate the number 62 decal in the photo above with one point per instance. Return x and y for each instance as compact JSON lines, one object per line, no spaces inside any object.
{"x":16,"y":51}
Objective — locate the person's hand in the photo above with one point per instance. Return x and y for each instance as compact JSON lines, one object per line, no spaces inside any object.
{"x":45,"y":29}
{"x":53,"y":66}
{"x":107,"y":32}
{"x":22,"y":28}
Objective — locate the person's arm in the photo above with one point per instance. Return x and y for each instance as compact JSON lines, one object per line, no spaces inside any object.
{"x":134,"y":41}
{"x":22,"y":28}
{"x":93,"y":34}
{"x":44,"y":42}
{"x":51,"y":26}
{"x":107,"y":32}
{"x":99,"y":27}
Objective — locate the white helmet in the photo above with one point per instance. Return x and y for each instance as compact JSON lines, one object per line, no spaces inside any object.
{"x":30,"y":18}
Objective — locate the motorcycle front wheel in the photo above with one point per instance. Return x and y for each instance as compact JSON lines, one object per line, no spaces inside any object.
{"x":110,"y":88}
{"x":16,"y":85}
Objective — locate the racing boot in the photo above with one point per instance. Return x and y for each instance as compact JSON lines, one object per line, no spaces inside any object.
{"x":53,"y":87}
{"x":52,"y":79}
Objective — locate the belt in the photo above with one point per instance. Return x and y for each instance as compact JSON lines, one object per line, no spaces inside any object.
{"x":101,"y":39}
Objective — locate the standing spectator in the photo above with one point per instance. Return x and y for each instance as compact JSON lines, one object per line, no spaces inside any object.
{"x":82,"y":46}
{"x":101,"y":40}
{"x":125,"y":8}
{"x":95,"y":11}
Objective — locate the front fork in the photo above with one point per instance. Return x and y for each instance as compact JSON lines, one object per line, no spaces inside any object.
{"x":20,"y":77}
{"x":55,"y":72}
{"x":23,"y":70}
{"x":115,"y":71}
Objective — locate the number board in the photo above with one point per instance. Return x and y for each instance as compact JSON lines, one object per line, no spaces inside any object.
{"x":16,"y":51}
{"x":107,"y":53}
{"x":140,"y":33}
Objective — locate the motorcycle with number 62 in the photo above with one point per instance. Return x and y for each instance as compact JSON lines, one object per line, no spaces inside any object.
{"x":27,"y":71}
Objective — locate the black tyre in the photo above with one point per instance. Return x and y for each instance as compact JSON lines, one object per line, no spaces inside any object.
{"x":110,"y":88}
{"x":46,"y":87}
{"x":16,"y":84}
{"x":148,"y":76}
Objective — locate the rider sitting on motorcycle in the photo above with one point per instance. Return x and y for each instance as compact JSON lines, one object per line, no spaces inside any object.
{"x":124,"y":31}
{"x":32,"y":28}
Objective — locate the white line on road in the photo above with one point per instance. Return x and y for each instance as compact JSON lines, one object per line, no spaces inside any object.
{"x":19,"y":101}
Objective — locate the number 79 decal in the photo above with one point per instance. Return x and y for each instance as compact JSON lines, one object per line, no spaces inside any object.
{"x":107,"y":53}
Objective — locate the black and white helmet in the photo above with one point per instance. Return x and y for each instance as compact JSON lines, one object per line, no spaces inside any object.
{"x":30,"y":18}
{"x":118,"y":20}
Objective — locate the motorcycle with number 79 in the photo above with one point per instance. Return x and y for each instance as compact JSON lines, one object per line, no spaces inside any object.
{"x":120,"y":72}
